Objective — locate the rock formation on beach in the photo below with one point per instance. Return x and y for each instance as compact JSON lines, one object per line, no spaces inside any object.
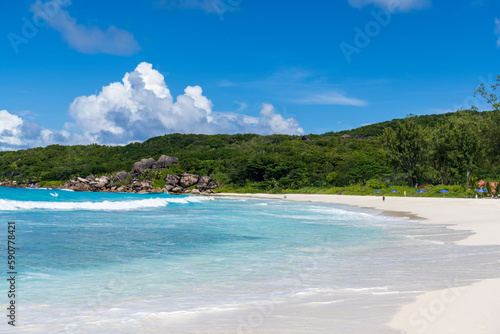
{"x":145,"y":164}
{"x":137,"y":182}
{"x":178,"y":184}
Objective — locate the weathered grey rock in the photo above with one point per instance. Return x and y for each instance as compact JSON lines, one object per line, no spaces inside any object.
{"x":172,"y":179}
{"x":82,"y":180}
{"x":143,"y":165}
{"x":213,"y":185}
{"x":104,"y":179}
{"x":169,"y":187}
{"x":177,"y":190}
{"x":187,"y":180}
{"x":203,"y":182}
{"x":140,"y":185}
{"x":195,"y":192}
{"x":120,"y":177}
{"x":164,"y":161}
{"x":82,"y":187}
{"x":90,"y":178}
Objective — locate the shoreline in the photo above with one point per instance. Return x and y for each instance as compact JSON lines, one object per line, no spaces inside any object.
{"x":470,"y":309}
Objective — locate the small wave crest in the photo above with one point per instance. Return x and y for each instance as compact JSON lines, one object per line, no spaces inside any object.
{"x":13,"y":205}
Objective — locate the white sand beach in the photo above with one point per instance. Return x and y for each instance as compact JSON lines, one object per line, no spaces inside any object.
{"x":464,"y":310}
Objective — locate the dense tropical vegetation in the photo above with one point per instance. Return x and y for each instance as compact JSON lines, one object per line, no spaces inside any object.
{"x":454,"y":150}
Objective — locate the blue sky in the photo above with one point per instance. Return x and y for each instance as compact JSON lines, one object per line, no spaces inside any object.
{"x":114,"y":72}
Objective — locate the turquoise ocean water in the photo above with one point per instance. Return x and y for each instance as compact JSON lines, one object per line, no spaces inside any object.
{"x":156,"y":263}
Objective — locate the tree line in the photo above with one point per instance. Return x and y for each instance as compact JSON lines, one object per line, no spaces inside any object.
{"x":464,"y":144}
{"x":452,"y":149}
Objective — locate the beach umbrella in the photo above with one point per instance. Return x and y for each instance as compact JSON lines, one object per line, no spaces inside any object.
{"x":420,"y":191}
{"x":481,"y":191}
{"x":394,"y":191}
{"x":444,"y":191}
{"x":378,"y":192}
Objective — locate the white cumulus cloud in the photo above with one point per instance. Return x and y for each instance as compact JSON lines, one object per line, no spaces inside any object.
{"x":394,"y":5}
{"x":138,"y":108}
{"x":16,"y":133}
{"x":141,"y":106}
{"x":10,"y":128}
{"x":84,"y":39}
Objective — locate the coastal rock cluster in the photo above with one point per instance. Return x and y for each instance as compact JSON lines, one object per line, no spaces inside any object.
{"x":105,"y":184}
{"x":9,"y":184}
{"x":135,"y":181}
{"x":179,"y":184}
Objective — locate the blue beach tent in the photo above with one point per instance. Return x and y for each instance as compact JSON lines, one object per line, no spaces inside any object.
{"x":444,"y":191}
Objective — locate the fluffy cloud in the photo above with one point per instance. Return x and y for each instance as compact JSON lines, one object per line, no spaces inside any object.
{"x":141,"y":106}
{"x":10,"y":128}
{"x":82,"y":38}
{"x":138,"y":108}
{"x":400,"y":5}
{"x":16,"y":133}
{"x":497,"y":31}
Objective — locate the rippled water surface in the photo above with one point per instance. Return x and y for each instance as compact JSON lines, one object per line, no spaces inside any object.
{"x":156,"y":263}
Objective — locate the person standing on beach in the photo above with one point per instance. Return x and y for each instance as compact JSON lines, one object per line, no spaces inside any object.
{"x":383,"y":198}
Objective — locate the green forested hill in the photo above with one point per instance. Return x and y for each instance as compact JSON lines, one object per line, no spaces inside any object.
{"x":259,"y":162}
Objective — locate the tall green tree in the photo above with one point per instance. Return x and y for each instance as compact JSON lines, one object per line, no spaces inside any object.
{"x":456,"y":147}
{"x":489,"y":93}
{"x":407,"y":147}
{"x":492,"y":128}
{"x":442,"y":151}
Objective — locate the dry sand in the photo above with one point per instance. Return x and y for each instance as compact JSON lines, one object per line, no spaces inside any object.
{"x":472,"y":309}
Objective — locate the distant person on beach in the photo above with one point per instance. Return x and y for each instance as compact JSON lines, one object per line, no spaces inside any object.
{"x":405,"y":193}
{"x":383,"y":198}
{"x":476,"y":195}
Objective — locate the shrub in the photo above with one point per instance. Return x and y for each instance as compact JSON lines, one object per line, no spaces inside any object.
{"x":121,"y":183}
{"x":51,"y":183}
{"x":158,"y":183}
{"x":375,"y":184}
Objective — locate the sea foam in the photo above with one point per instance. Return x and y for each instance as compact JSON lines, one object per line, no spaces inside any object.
{"x":13,"y":205}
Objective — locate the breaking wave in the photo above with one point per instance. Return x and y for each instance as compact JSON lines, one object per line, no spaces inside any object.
{"x":13,"y":205}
